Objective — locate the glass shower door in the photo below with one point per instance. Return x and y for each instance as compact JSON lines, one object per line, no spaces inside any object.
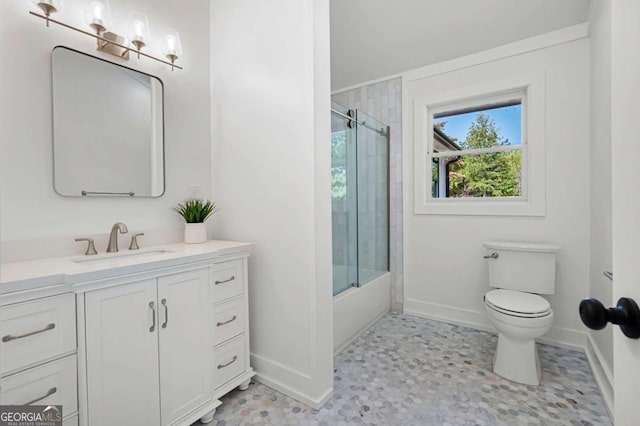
{"x":344,"y":200}
{"x":373,"y":197}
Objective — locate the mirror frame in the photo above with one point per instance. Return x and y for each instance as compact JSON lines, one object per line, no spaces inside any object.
{"x":53,"y":146}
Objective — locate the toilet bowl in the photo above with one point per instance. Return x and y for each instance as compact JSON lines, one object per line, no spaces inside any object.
{"x":519,"y":272}
{"x":520,"y":318}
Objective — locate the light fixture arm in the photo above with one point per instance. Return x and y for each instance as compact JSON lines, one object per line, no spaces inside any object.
{"x":100,"y":38}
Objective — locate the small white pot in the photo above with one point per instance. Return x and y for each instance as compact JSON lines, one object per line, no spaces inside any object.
{"x":195,"y":233}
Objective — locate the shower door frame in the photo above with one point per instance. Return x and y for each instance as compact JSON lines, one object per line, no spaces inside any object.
{"x":352,"y":122}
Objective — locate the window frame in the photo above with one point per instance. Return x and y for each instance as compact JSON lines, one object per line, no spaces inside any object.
{"x":479,"y":105}
{"x":530,"y":90}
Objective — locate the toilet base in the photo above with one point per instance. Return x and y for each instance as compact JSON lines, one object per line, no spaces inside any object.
{"x":517,"y":360}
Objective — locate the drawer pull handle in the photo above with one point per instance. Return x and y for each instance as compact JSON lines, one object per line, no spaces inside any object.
{"x":166,"y":313}
{"x":233,"y":318}
{"x":233,"y":277}
{"x":9,"y":337}
{"x":234,"y":359}
{"x":49,"y":393}
{"x":153,"y":315}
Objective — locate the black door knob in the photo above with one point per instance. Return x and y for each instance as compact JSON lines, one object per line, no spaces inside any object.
{"x":626,"y":314}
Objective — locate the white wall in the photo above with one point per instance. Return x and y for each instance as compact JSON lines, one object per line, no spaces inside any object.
{"x":600,"y":184}
{"x":29,"y":208}
{"x":445,"y":275}
{"x":271,"y":167}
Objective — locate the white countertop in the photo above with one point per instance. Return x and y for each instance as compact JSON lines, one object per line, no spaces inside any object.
{"x":20,"y":276}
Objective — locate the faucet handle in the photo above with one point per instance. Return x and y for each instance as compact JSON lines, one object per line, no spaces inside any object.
{"x":91,"y":248}
{"x":134,"y":241}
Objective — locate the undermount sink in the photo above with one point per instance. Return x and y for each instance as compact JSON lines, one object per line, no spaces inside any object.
{"x":110,"y":257}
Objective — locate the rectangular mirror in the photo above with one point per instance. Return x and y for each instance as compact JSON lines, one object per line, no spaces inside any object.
{"x":108,"y":130}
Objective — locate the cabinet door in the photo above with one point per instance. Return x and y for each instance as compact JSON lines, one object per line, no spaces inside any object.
{"x":122,"y":355}
{"x":185,"y":343}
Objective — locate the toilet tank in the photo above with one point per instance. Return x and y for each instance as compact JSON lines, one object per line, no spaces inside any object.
{"x":528,"y":267}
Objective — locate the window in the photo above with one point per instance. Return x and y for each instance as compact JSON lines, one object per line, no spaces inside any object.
{"x":477,"y":151}
{"x":480,"y":150}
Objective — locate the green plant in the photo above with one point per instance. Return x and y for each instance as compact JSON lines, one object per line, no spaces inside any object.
{"x":194,"y":210}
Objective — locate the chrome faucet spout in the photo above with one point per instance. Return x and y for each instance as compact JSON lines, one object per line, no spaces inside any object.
{"x":113,"y":237}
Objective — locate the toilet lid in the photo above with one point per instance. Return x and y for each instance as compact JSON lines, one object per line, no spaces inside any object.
{"x":517,"y":303}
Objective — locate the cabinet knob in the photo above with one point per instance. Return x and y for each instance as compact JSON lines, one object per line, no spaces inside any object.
{"x":626,"y":314}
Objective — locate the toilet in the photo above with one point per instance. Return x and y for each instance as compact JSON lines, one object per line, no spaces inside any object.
{"x":519,"y":272}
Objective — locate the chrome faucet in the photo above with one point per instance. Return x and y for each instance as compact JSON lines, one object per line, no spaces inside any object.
{"x":113,"y":237}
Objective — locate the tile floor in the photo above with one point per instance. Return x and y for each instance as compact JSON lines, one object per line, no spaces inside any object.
{"x":412,"y":371}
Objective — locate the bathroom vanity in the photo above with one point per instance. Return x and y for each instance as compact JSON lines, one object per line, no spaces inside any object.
{"x":154,"y":337}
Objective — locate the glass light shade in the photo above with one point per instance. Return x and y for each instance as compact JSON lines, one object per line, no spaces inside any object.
{"x":171,"y":45}
{"x":48,"y":6}
{"x":97,"y":15}
{"x":139,"y":33}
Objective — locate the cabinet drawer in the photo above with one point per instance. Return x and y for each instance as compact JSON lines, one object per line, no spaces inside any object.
{"x":37,"y":330}
{"x":228,"y":361}
{"x":54,"y":383}
{"x":227,"y":280}
{"x":228,"y":320}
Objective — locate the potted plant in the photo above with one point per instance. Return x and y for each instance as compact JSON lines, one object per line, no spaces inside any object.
{"x":195,"y":211}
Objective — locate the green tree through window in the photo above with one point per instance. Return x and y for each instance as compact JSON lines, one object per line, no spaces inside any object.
{"x":496,"y":174}
{"x":339,"y":164}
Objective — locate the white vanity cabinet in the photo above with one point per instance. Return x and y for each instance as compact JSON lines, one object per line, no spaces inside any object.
{"x":230,"y":331}
{"x":151,"y":340}
{"x":146,"y":350}
{"x":38,"y":353}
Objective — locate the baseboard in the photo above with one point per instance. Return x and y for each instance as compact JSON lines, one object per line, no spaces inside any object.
{"x":292,"y":382}
{"x":565,"y":338}
{"x":448,"y":314}
{"x":601,"y":372}
{"x":359,"y":333}
{"x":557,"y":336}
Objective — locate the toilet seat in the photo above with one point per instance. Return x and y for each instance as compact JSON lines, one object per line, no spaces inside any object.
{"x":517,"y":304}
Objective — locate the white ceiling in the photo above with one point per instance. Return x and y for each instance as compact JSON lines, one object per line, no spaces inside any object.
{"x":375,"y":38}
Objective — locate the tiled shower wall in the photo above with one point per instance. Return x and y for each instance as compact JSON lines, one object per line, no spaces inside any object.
{"x":383,"y":101}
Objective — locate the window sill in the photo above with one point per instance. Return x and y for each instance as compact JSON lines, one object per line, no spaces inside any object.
{"x":481,"y":207}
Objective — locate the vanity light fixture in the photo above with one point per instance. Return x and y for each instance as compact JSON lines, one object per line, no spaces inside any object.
{"x":98,"y":17}
{"x":48,"y":7}
{"x":139,"y":32}
{"x":171,"y":46}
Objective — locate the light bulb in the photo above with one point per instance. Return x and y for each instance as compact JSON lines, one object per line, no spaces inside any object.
{"x":138,"y":30}
{"x":97,"y":12}
{"x":171,"y":45}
